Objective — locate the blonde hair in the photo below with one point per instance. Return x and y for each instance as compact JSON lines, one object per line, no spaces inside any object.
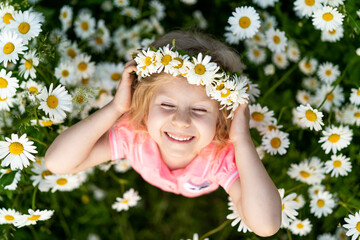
{"x":193,"y":43}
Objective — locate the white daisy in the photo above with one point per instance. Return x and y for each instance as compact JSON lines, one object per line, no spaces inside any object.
{"x":84,"y":25}
{"x":11,"y":45}
{"x":304,"y":172}
{"x":258,"y":39}
{"x":332,"y":98}
{"x":315,"y":189}
{"x":303,"y":97}
{"x":44,"y":122}
{"x":68,"y":50}
{"x":275,"y":142}
{"x":335,"y":138}
{"x":17,"y":151}
{"x":328,"y":72}
{"x":33,"y":217}
{"x":332,"y":35}
{"x":355,"y":96}
{"x":101,"y":40}
{"x":256,"y":55}
{"x":269,"y":22}
{"x":28,"y":64}
{"x":62,"y":182}
{"x":301,"y":227}
{"x":7,"y":103}
{"x":307,"y":7}
{"x":333,"y":3}
{"x":276,"y":40}
{"x":267,"y":128}
{"x":289,"y":207}
{"x":165,"y":60}
{"x":26,"y":25}
{"x":293,"y":53}
{"x":352,"y":224}
{"x":9,"y":216}
{"x":65,"y":72}
{"x":129,"y":199}
{"x":280,"y":60}
{"x":202,"y":71}
{"x":253,"y":90}
{"x":244,"y":22}
{"x":32,"y":88}
{"x":326,"y":236}
{"x":322,"y":204}
{"x":309,"y":117}
{"x":235,"y":215}
{"x":40,"y":173}
{"x":66,"y":17}
{"x":83,"y":67}
{"x":269,"y":69}
{"x":340,"y":233}
{"x":311,"y":83}
{"x":308,"y":65}
{"x":6,"y":14}
{"x":327,"y":18}
{"x":299,"y":199}
{"x":338,"y":165}
{"x":200,"y":19}
{"x":260,"y":115}
{"x":158,"y":8}
{"x":121,"y":3}
{"x":122,"y":165}
{"x":13,"y":184}
{"x":8,"y":84}
{"x":131,"y":12}
{"x":352,"y":116}
{"x":55,"y":102}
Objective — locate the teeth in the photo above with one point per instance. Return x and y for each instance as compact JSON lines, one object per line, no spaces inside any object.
{"x":179,"y":139}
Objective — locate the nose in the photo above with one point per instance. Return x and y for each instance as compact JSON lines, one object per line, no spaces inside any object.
{"x":181,"y":118}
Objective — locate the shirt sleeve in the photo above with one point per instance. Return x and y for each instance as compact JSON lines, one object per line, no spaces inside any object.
{"x":120,"y":138}
{"x":225,"y":171}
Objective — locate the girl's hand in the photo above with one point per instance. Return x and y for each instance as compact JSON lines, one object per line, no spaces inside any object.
{"x":240,"y":123}
{"x":122,"y":98}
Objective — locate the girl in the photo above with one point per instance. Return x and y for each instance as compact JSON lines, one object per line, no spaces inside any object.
{"x":174,"y":132}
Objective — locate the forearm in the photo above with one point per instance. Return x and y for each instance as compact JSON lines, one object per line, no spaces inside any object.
{"x":260,"y":201}
{"x":73,"y":146}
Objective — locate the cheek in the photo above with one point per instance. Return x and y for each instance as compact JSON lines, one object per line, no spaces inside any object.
{"x":207,"y":128}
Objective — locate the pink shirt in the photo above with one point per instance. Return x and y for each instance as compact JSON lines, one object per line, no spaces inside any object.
{"x":202,"y":175}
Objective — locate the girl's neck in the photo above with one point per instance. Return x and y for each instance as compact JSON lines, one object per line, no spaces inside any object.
{"x":176,"y":163}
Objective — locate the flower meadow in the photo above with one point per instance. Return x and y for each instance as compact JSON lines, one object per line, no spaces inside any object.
{"x":62,"y":60}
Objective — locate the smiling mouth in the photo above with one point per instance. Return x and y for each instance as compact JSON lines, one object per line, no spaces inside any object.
{"x":179,"y":139}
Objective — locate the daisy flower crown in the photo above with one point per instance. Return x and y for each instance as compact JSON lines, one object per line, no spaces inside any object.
{"x":230,"y":89}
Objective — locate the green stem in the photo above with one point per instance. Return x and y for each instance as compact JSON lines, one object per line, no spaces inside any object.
{"x":278,"y":83}
{"x":288,"y":234}
{"x":280,"y":114}
{"x":215,"y":230}
{"x":38,"y":141}
{"x":33,"y":232}
{"x":121,"y":181}
{"x":34,"y":197}
{"x":346,"y":207}
{"x":294,"y":188}
{"x":61,"y":216}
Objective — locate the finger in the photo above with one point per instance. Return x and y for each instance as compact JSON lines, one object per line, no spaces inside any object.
{"x":130,"y":63}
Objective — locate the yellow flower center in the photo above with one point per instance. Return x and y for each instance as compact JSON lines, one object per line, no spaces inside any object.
{"x":65,"y":73}
{"x":220,"y":87}
{"x":34,"y":217}
{"x":102,"y":91}
{"x":33,"y":90}
{"x":9,"y":218}
{"x":8,"y":48}
{"x":256,"y":53}
{"x":332,"y":31}
{"x":244,"y":22}
{"x":276,"y":39}
{"x":71,"y":53}
{"x":24,"y":27}
{"x":328,"y":72}
{"x":334,"y":138}
{"x":7,"y":17}
{"x":84,"y":26}
{"x":3,"y":99}
{"x":8,"y":171}
{"x":166,"y":59}
{"x":358,"y":226}
{"x":282,"y":207}
{"x":79,"y":99}
{"x":358,"y":92}
{"x":85,"y":81}
{"x":64,"y":14}
{"x":85,"y":199}
{"x":328,"y":16}
{"x":271,"y":127}
{"x":16,"y":148}
{"x":62,"y":181}
{"x":330,"y":97}
{"x":299,"y":225}
{"x":82,"y":66}
{"x":275,"y":142}
{"x":310,"y":115}
{"x":125,"y":201}
{"x":307,"y":65}
{"x":3,"y":82}
{"x":45,"y":173}
{"x":47,"y":123}
{"x":357,"y":114}
{"x":52,"y":101}
{"x":147,"y":61}
{"x":181,"y":62}
{"x":99,"y":40}
{"x":256,"y":37}
{"x":28,"y":64}
{"x":115,"y":76}
{"x":309,"y":2}
{"x":337,"y":163}
{"x":199,"y":69}
{"x":304,"y":174}
{"x":256,"y":116}
{"x":279,"y":59}
{"x":226,"y":93}
{"x":320,"y":203}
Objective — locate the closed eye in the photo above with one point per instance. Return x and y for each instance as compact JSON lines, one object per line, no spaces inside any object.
{"x":199,"y":110}
{"x":167,"y":106}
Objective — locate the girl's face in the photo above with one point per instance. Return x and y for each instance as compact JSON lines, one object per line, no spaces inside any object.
{"x":181,"y":120}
